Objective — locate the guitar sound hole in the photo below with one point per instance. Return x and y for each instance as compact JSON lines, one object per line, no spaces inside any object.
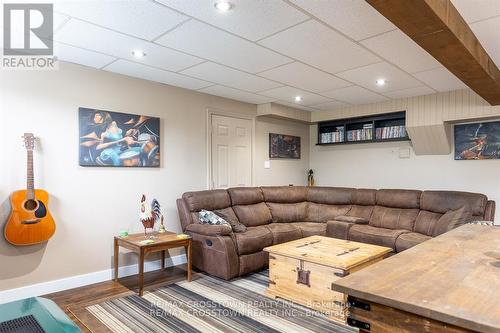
{"x":30,"y":204}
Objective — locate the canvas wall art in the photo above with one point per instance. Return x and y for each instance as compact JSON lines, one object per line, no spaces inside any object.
{"x":477,"y":141}
{"x":284,"y":146}
{"x":114,"y":139}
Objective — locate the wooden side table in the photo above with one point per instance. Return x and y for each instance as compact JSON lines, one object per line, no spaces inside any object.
{"x":162,"y":242}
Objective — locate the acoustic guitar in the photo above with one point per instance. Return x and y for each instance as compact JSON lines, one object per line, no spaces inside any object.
{"x":30,"y":221}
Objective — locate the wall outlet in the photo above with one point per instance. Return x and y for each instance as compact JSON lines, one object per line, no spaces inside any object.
{"x":267,"y":164}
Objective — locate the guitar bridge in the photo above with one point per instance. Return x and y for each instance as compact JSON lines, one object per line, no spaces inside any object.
{"x":34,"y":221}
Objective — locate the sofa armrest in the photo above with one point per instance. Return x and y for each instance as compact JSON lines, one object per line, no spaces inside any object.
{"x":209,"y":230}
{"x":351,"y":219}
{"x":338,"y":229}
{"x":215,"y":255}
{"x":489,"y":214}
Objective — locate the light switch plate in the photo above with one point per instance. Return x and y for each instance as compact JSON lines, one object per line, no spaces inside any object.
{"x":267,"y":164}
{"x":404,"y":152}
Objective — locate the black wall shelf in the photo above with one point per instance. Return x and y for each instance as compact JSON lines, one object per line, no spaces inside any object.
{"x":388,"y":127}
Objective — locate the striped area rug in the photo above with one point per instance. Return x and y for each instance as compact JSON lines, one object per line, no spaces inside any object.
{"x":209,"y":304}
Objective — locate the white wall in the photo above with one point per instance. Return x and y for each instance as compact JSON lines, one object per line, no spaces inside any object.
{"x":378,"y":165}
{"x":90,"y":205}
{"x":282,"y":171}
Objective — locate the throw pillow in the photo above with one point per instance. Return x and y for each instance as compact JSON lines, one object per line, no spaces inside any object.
{"x":208,"y":217}
{"x":452,"y":219}
{"x":229,"y":215}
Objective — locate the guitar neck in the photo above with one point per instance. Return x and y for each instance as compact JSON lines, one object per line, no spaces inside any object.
{"x":30,"y":179}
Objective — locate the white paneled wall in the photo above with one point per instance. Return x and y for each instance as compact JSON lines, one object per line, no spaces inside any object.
{"x":427,"y":117}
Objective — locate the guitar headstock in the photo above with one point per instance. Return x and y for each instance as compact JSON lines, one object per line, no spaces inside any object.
{"x":29,"y":141}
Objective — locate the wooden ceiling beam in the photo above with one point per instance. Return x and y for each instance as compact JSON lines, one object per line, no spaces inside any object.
{"x":438,"y":27}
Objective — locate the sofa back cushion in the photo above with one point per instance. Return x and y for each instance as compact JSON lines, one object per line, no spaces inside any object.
{"x":364,"y":212}
{"x":426,"y":221}
{"x":321,"y":213}
{"x":287,"y":212}
{"x":285,"y":194}
{"x":253,"y":215}
{"x":245,"y":195}
{"x":209,"y":200}
{"x":444,"y":201}
{"x":452,"y":219}
{"x":409,"y":199}
{"x":330,"y":195}
{"x":393,"y":218}
{"x":364,"y":197}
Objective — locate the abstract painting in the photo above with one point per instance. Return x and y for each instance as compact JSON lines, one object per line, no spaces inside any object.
{"x":477,"y":141}
{"x":284,"y":146}
{"x":114,"y":139}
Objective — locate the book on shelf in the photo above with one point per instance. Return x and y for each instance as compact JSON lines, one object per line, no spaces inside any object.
{"x":390,"y":132}
{"x":334,"y":136}
{"x":366,"y":133}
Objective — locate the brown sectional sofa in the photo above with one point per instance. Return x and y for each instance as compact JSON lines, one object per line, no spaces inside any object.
{"x":398,"y":219}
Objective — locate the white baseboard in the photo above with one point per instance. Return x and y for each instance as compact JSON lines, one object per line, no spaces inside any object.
{"x":82,"y":280}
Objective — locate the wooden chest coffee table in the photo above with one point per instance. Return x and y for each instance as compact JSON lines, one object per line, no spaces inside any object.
{"x":303,"y":271}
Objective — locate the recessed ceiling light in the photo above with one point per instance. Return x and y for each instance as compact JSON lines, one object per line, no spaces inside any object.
{"x":298,"y":98}
{"x":138,"y":53}
{"x":380,"y":82}
{"x":223,"y":6}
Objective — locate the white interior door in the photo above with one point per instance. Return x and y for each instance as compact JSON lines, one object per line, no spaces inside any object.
{"x":231,"y":152}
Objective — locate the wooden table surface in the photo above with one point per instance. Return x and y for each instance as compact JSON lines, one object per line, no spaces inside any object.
{"x":161,"y":243}
{"x":453,"y":278}
{"x":332,"y":252}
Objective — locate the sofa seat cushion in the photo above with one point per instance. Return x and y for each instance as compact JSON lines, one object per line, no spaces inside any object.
{"x":311,"y":228}
{"x":372,"y":235}
{"x":287,"y":212}
{"x":253,"y":215}
{"x":322,"y":213}
{"x":253,"y":240}
{"x":410,"y":239}
{"x":284,"y":232}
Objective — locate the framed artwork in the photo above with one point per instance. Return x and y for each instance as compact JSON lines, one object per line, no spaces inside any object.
{"x":477,"y":141}
{"x":114,"y":139}
{"x":284,"y":146}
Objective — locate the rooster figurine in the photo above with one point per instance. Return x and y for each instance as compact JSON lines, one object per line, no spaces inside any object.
{"x":149,"y":214}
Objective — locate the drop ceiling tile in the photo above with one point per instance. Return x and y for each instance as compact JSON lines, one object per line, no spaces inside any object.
{"x":230,"y":77}
{"x":205,"y":41}
{"x":354,"y":18}
{"x":330,"y":106}
{"x":288,"y":94}
{"x":304,"y":77}
{"x":317,"y":45}
{"x":402,"y":51}
{"x":355,"y":95}
{"x":236,"y":94}
{"x":154,"y":74}
{"x":475,"y":10}
{"x":140,"y":18}
{"x":488,"y":34}
{"x":92,"y":37}
{"x":253,"y":19}
{"x":366,"y":76}
{"x":419,"y":91}
{"x":80,"y":56}
{"x":440,"y":79}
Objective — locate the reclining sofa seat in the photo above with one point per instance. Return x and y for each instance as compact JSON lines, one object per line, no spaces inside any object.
{"x":398,"y":219}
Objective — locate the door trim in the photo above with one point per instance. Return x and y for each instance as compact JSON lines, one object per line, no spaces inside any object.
{"x":217,"y":112}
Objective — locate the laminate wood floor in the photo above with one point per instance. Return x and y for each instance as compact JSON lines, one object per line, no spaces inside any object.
{"x":91,"y":294}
